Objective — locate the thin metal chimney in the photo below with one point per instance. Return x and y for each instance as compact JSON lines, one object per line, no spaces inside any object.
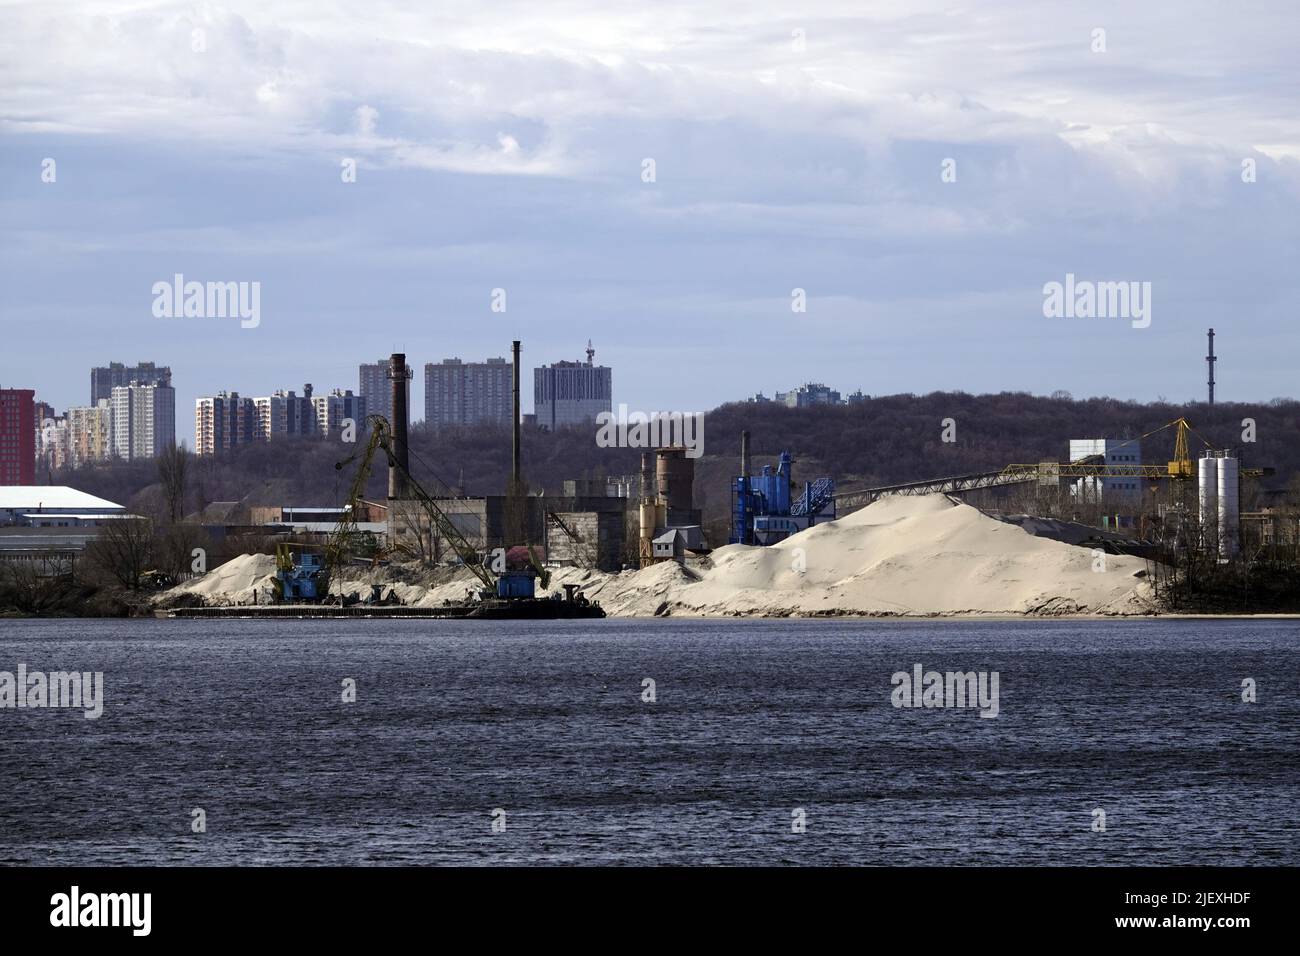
{"x":1209,"y":361}
{"x":515,"y":477}
{"x":744,"y":454}
{"x":398,"y":376}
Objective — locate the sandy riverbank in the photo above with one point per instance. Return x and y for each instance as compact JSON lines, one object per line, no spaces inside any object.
{"x":914,"y":557}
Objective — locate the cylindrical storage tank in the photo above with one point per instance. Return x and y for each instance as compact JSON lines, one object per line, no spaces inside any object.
{"x":676,"y":478}
{"x":646,"y":516}
{"x":1208,"y":496}
{"x":1229,"y":519}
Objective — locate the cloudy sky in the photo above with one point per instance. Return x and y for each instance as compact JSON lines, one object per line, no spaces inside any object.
{"x":802,"y":145}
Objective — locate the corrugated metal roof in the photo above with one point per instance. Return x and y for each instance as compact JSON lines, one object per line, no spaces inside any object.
{"x":48,"y":497}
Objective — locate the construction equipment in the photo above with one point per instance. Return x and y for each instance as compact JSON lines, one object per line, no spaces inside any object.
{"x":506,"y":584}
{"x":1181,"y":468}
{"x":300,"y":576}
{"x":346,"y":532}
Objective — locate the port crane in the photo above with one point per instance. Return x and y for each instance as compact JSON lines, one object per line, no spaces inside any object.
{"x":1180,"y":469}
{"x":347,"y":532}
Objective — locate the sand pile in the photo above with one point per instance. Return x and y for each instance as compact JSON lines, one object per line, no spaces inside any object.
{"x":923,"y":556}
{"x":234,"y":582}
{"x":899,"y":556}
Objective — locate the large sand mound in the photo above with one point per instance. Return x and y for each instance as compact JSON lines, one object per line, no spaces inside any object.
{"x":899,"y":556}
{"x":915,"y":556}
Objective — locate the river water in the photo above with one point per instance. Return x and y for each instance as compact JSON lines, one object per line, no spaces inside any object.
{"x":768,"y":742}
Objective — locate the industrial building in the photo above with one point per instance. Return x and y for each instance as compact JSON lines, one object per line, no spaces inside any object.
{"x":17,"y":436}
{"x":572,"y":393}
{"x":310,"y":516}
{"x":53,"y":506}
{"x":764,"y":509}
{"x":50,"y":525}
{"x":669,"y":524}
{"x":1112,"y":451}
{"x":467,"y":393}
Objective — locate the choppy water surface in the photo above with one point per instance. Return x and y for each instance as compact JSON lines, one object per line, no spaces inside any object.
{"x":753,"y":720}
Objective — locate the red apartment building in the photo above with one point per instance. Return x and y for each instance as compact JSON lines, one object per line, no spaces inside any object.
{"x":17,"y":436}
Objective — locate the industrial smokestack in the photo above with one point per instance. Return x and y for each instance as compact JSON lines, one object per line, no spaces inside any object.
{"x":399,"y":467}
{"x":744,"y":454}
{"x":1209,"y":361}
{"x":515,"y":478}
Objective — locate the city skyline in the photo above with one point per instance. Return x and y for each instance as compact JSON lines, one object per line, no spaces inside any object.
{"x":921,"y":185}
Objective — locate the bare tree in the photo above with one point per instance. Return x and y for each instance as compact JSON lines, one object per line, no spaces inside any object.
{"x":39,"y":584}
{"x":175,"y":546}
{"x":173,"y":472}
{"x":124,"y":550}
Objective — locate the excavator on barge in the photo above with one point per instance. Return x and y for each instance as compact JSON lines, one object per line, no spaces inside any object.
{"x":508,"y":586}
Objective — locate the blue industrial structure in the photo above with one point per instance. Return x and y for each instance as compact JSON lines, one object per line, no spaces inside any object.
{"x":299,"y":577}
{"x":516,"y":584}
{"x":762,"y":511}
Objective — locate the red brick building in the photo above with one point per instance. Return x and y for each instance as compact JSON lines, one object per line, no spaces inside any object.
{"x":17,"y":436}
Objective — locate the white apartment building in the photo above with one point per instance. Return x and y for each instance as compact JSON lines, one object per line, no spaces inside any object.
{"x":334,"y":409}
{"x":143,"y":420}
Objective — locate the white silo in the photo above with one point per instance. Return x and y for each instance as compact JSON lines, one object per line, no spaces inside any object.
{"x":1229,"y":518}
{"x":1208,"y":482}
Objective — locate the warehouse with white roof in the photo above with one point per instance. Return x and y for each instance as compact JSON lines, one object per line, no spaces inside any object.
{"x":54,"y":506}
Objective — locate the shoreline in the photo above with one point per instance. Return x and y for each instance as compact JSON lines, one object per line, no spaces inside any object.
{"x":287,"y":614}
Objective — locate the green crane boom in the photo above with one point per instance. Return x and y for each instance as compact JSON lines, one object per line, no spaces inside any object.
{"x":381,"y":437}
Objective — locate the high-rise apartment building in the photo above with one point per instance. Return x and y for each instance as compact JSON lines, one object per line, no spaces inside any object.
{"x":227,"y":419}
{"x":286,"y":414}
{"x":144,"y":419}
{"x":571,"y":393}
{"x":808,"y":395}
{"x":466,"y":393}
{"x":377,"y":390}
{"x":334,"y":409}
{"x":115,"y":374}
{"x":51,"y":438}
{"x":53,"y":447}
{"x":223,"y":421}
{"x":90,"y":433}
{"x":17,"y":436}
